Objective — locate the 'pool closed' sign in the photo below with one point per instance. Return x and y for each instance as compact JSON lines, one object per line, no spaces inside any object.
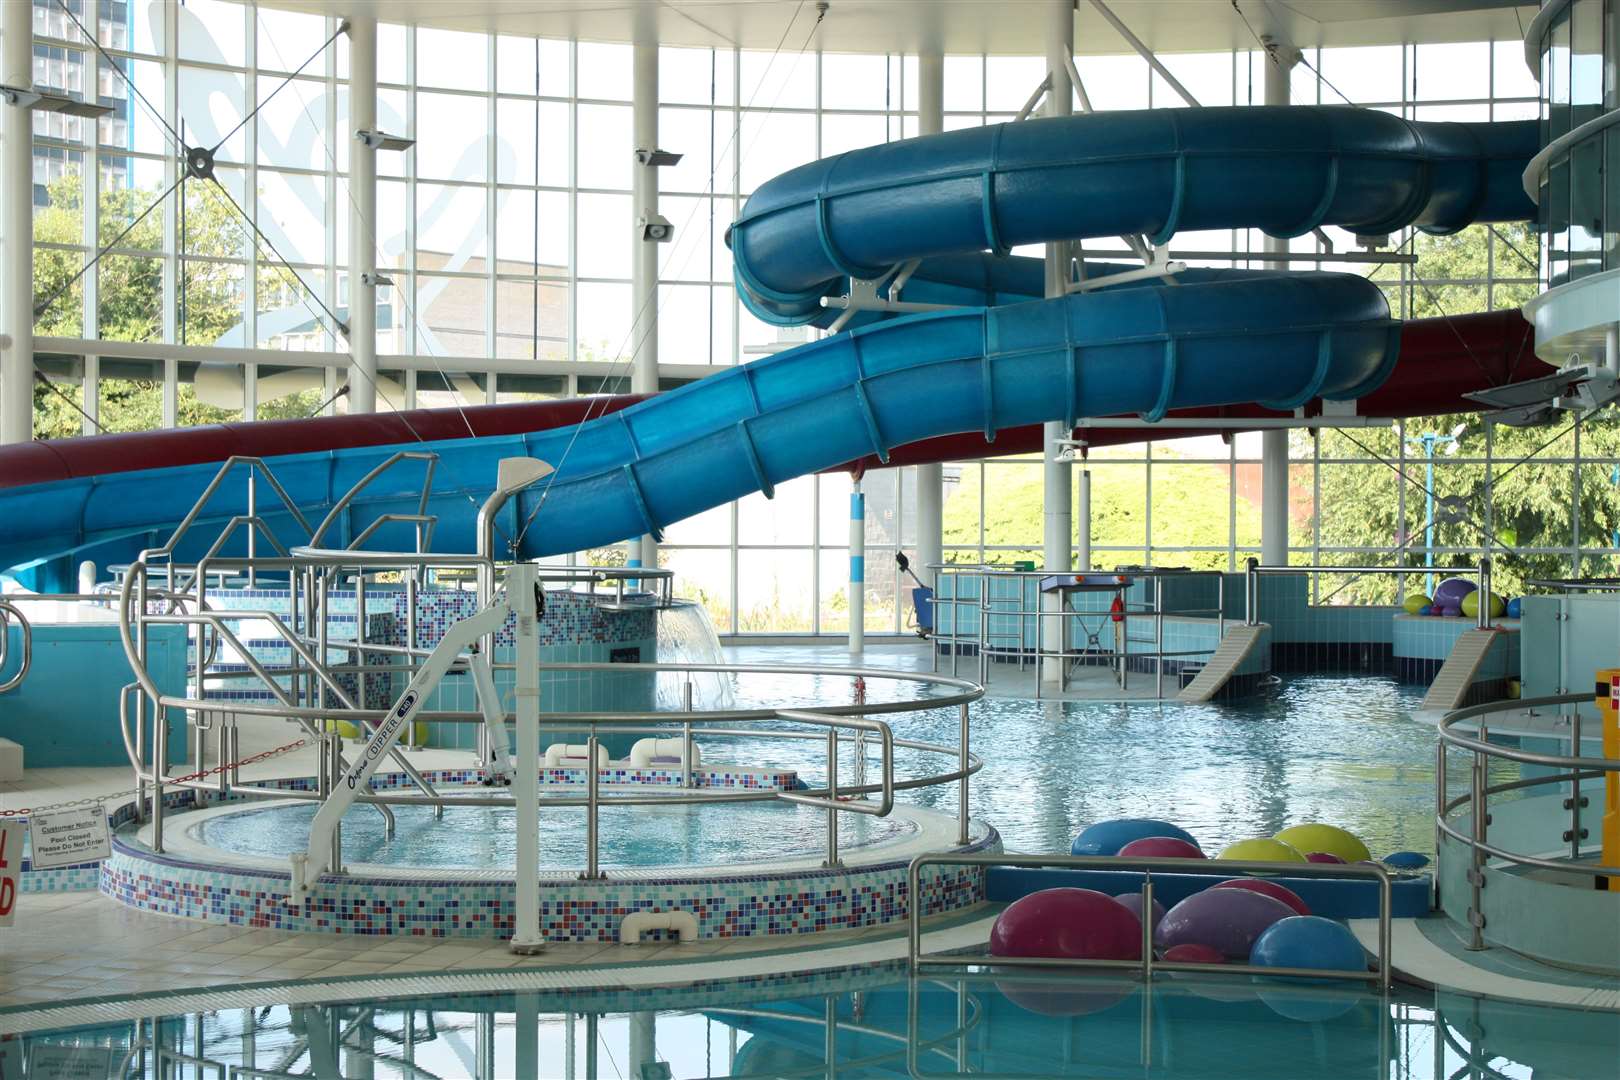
{"x":69,"y":837}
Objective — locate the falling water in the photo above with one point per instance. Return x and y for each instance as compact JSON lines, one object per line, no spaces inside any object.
{"x":686,"y":636}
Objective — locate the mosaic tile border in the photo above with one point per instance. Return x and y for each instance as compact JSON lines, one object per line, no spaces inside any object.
{"x":787,"y":903}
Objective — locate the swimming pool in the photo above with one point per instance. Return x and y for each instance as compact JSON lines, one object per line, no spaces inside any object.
{"x":1344,"y":750}
{"x":479,"y":838}
{"x":774,"y":1027}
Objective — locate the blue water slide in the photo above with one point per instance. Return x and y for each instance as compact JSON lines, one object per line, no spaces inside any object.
{"x":1219,"y":338}
{"x":1283,"y":169}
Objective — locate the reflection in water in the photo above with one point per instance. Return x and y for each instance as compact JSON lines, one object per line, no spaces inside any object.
{"x":867,"y":1023}
{"x":1302,"y":751}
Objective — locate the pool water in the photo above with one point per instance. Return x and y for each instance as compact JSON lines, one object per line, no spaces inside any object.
{"x":1182,"y":1029}
{"x":1342,"y":750}
{"x":471,"y":837}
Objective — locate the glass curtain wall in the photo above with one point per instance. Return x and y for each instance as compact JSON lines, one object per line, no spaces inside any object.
{"x":505,"y":234}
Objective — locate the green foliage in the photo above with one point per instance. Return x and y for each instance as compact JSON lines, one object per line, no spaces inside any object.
{"x":129,"y":301}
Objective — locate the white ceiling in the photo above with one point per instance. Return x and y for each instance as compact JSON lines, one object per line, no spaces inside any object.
{"x":958,"y":26}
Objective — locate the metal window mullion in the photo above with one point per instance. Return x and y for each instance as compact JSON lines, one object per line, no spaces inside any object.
{"x":1575,"y":509}
{"x":1316,"y":503}
{"x":170,"y":257}
{"x":250,"y":204}
{"x":735,"y":597}
{"x":1231,"y":504}
{"x":329,"y":186}
{"x":573,"y":201}
{"x":1400,"y":496}
{"x":735,"y":193}
{"x":1147,"y":507}
{"x":492,"y":346}
{"x":90,"y":298}
{"x":815,"y":555}
{"x":412,"y":232}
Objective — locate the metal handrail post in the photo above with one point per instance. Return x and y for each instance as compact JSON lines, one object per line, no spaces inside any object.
{"x":962,"y":809}
{"x":1575,"y":796}
{"x":832,"y":796}
{"x":1476,"y":860}
{"x":1485,"y":593}
{"x":1251,"y":592}
{"x":1158,"y":637}
{"x":686,"y":735}
{"x":592,"y":810}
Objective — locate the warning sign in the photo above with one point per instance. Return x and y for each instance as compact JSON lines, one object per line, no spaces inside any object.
{"x":69,"y":837}
{"x":11,"y":842}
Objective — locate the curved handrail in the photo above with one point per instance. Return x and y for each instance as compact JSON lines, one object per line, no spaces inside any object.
{"x":1536,"y":171}
{"x":1533,"y":33}
{"x":1579,"y":768}
{"x":9,"y":611}
{"x":208,"y":493}
{"x":348,"y":497}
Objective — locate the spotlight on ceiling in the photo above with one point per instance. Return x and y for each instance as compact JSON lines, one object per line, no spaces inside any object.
{"x":44,"y":101}
{"x":658,"y":158}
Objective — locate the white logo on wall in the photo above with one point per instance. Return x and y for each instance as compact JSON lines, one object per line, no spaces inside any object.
{"x":69,"y":837}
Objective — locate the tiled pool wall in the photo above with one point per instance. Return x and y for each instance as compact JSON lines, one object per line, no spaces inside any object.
{"x":574,"y":629}
{"x":1303,"y":637}
{"x":726,"y":905}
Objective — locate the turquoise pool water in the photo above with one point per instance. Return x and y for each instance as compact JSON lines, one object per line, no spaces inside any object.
{"x":779,"y":1027}
{"x":476,"y":838}
{"x":1343,"y":750}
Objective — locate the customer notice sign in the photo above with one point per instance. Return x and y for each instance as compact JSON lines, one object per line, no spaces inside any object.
{"x":69,"y":837}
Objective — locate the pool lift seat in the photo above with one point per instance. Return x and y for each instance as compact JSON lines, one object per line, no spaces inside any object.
{"x":468,"y":643}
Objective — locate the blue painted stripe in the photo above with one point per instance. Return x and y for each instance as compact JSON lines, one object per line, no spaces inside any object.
{"x":857,"y":569}
{"x":857,"y":506}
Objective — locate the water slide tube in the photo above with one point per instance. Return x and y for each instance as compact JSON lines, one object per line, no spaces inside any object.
{"x":1234,"y":339}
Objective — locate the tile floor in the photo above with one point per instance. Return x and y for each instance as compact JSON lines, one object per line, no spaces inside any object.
{"x":81,"y":945}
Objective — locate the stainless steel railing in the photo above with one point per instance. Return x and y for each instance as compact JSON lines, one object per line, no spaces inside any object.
{"x":986,"y":606}
{"x":1147,"y":965}
{"x":1572,"y":769}
{"x":1253,"y":572}
{"x":8,"y":612}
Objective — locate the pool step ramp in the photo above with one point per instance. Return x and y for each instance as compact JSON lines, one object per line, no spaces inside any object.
{"x":1456,"y":675}
{"x":1234,"y":648}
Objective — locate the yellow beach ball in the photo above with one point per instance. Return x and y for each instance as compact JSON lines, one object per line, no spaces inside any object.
{"x":1260,"y":849}
{"x":1328,"y":838}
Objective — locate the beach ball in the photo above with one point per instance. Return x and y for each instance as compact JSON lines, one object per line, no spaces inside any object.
{"x":1308,"y":941}
{"x":1328,"y":838}
{"x":1322,"y":857}
{"x":1470,"y":605}
{"x":1449,"y":611}
{"x":1133,"y":904}
{"x":1514,"y":607}
{"x":1072,"y":924}
{"x":1450,"y":592}
{"x":1415,"y":603}
{"x":1268,"y":888}
{"x":1425,"y":610}
{"x":1261,"y":849}
{"x":1228,"y":920}
{"x":1161,"y":847}
{"x":1193,"y":953}
{"x":1107,"y":837}
{"x":1406,"y":860}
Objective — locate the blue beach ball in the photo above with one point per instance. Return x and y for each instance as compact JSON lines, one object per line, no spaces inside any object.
{"x":1107,"y":837}
{"x":1406,"y":860}
{"x":1308,"y":941}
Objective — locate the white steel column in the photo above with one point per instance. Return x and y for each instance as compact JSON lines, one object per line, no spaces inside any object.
{"x":857,"y":568}
{"x":522,"y":584}
{"x":930,"y":478}
{"x":362,"y":213}
{"x":1274,"y":444}
{"x":644,"y":252}
{"x":16,"y":231}
{"x":643,"y":1041}
{"x":1058,"y":499}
